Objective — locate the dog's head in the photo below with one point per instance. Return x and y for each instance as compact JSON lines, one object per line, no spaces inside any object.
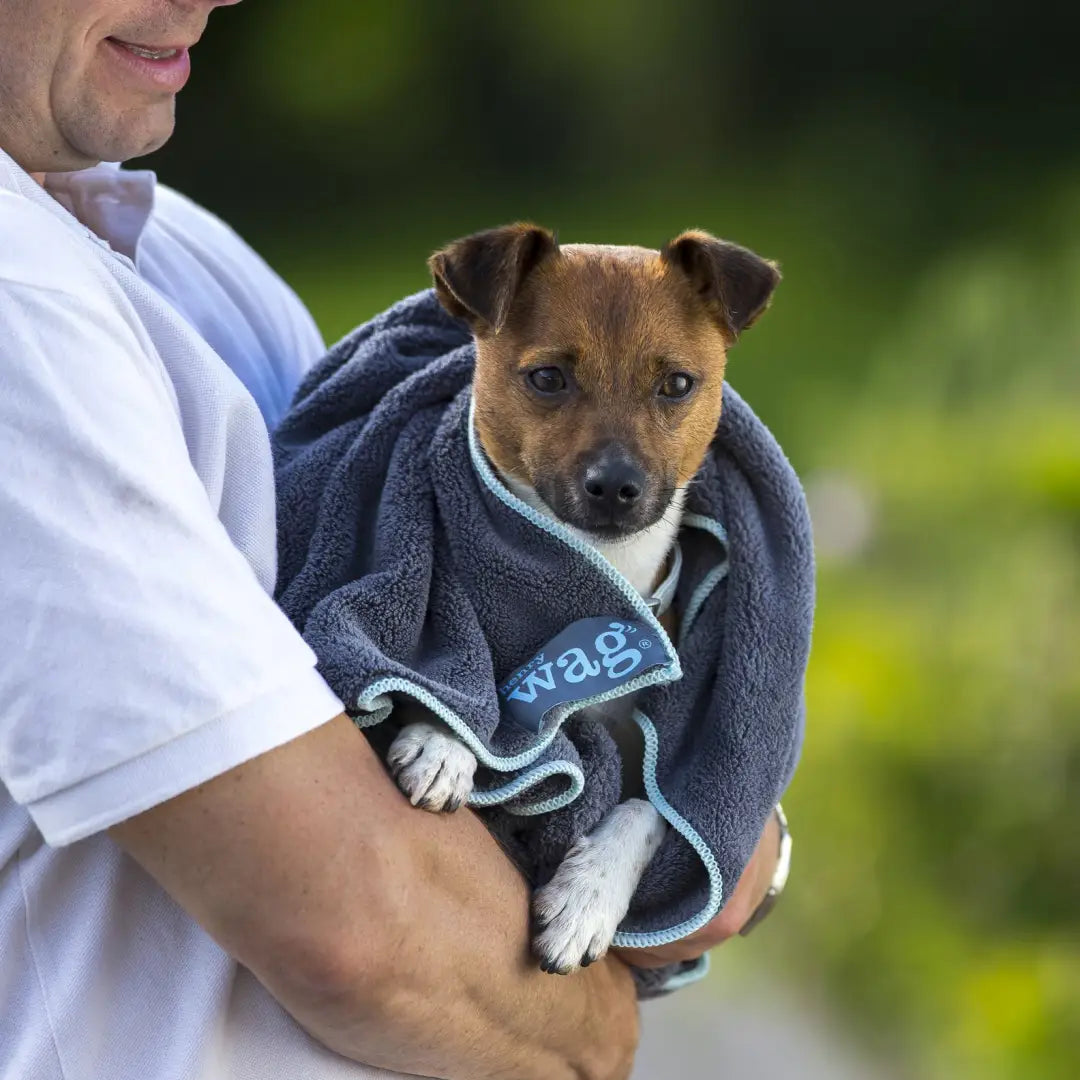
{"x":599,"y":370}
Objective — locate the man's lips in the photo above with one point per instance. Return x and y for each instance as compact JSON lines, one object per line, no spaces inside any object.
{"x":163,"y":67}
{"x":149,"y":52}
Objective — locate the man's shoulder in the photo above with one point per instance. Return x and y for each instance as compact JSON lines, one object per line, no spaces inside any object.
{"x":210,"y":239}
{"x":243,"y":309}
{"x":177,"y":210}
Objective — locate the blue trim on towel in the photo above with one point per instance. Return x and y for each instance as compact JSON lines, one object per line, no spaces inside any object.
{"x":672,"y":816}
{"x":378,"y":706}
{"x":556,"y":802}
{"x":524,"y":781}
{"x":711,"y":579}
{"x":688,"y":976}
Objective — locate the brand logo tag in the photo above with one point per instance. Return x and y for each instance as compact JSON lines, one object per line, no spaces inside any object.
{"x":590,"y":657}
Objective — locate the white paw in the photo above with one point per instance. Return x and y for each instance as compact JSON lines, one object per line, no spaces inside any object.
{"x":577,"y":913}
{"x":433,"y":769}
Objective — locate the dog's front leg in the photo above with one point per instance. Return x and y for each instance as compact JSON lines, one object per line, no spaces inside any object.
{"x":579,"y":910}
{"x":431,"y":766}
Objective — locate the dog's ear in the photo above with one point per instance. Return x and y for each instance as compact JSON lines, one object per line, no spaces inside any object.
{"x":735,"y":284}
{"x":477,"y":277}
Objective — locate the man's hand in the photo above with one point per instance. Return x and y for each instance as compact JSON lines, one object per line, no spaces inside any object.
{"x":749,"y":892}
{"x":396,"y":937}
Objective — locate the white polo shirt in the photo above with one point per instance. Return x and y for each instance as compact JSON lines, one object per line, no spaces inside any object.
{"x":140,"y":652}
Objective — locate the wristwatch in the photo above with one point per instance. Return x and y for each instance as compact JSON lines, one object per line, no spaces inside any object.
{"x":779,"y":878}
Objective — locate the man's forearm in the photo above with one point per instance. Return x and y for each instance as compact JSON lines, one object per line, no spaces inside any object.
{"x":459,"y":994}
{"x":462,"y":998}
{"x":396,"y":937}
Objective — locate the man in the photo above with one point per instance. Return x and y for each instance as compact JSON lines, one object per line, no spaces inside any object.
{"x":204,"y":872}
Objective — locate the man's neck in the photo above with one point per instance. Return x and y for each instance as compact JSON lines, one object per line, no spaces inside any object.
{"x":38,"y":177}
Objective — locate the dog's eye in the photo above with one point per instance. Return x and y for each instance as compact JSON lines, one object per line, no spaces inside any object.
{"x":677,"y":385}
{"x":547,"y":380}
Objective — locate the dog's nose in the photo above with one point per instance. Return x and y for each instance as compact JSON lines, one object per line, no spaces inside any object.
{"x":613,"y":483}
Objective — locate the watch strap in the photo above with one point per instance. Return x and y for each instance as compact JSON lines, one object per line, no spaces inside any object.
{"x":779,"y":878}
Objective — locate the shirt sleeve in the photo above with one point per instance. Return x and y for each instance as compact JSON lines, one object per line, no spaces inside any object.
{"x":139,"y":655}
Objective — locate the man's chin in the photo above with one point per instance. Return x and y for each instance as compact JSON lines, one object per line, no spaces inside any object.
{"x":122,"y":136}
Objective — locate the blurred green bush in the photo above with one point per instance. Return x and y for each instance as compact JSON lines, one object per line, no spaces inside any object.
{"x":939,"y":876}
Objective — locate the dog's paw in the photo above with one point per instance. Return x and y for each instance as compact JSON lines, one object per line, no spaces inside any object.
{"x":576,"y":914}
{"x":431,"y":767}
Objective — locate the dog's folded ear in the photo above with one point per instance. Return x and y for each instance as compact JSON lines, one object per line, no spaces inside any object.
{"x":735,"y":284}
{"x":477,"y":277}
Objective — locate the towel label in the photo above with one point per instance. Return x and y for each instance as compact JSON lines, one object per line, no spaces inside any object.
{"x":590,"y":657}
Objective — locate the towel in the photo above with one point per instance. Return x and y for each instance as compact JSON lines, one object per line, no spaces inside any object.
{"x":415,"y":574}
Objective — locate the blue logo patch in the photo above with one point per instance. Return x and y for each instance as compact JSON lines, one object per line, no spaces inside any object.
{"x":588,"y":658}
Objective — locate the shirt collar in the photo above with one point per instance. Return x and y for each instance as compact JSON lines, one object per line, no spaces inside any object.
{"x":107,"y":202}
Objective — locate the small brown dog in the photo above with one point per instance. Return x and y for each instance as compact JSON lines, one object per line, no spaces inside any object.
{"x":597,"y":391}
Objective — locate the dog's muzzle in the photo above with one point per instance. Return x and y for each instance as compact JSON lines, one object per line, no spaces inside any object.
{"x":609,"y":494}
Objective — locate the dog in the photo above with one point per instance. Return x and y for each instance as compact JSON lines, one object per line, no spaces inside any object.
{"x":597,"y":391}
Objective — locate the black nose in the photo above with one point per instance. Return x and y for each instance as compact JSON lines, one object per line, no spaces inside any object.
{"x":613,"y":483}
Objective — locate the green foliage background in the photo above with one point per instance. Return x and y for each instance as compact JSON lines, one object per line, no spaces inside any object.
{"x":916,"y":171}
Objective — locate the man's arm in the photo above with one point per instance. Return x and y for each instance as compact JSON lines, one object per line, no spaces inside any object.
{"x":395,"y":937}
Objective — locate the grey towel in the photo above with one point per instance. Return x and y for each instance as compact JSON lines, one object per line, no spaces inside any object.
{"x":412,"y":571}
